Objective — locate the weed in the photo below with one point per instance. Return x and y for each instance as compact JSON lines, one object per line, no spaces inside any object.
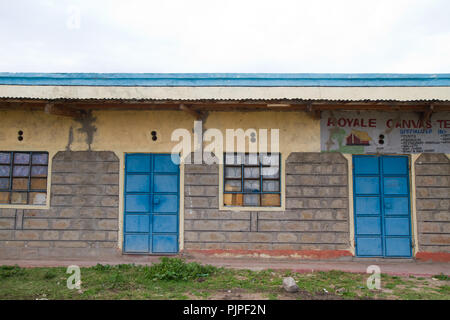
{"x":11,"y":271}
{"x":444,"y":289}
{"x":50,"y":274}
{"x":273,"y":296}
{"x":178,"y":269}
{"x":442,"y":277}
{"x":101,"y":267}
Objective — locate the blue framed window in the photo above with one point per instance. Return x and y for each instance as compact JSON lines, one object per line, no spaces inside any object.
{"x":252,"y":180}
{"x":23,"y":178}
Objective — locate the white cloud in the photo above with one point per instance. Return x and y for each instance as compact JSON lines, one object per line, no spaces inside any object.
{"x":226,"y":36}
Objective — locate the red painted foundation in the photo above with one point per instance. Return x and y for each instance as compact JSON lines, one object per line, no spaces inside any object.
{"x":433,"y":256}
{"x":299,"y":254}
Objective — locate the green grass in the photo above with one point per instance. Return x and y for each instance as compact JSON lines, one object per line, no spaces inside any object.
{"x":173,"y":278}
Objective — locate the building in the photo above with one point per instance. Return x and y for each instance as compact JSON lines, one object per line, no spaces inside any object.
{"x":358,"y":138}
{"x":94,"y":165}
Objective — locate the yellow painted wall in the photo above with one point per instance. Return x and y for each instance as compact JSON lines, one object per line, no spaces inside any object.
{"x":124,"y":131}
{"x":130,"y":131}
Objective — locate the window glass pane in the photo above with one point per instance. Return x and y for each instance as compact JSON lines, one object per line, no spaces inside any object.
{"x":251,"y":185}
{"x":22,"y":158}
{"x":232,"y":172}
{"x":255,"y":166}
{"x":232,"y":199}
{"x":270,"y":200}
{"x":251,"y":199}
{"x":251,"y":172}
{"x":21,"y":171}
{"x":20,"y":184}
{"x":40,"y":158}
{"x":231,"y":158}
{"x":39,"y":171}
{"x":271,"y":185}
{"x":252,"y":159}
{"x":270,"y":172}
{"x":4,"y":197}
{"x":16,"y":189}
{"x":38,"y":184}
{"x":37,"y":198}
{"x":4,"y":171}
{"x":270,"y":160}
{"x":4,"y":183}
{"x":232,"y":185}
{"x":19,"y":198}
{"x":5,"y":158}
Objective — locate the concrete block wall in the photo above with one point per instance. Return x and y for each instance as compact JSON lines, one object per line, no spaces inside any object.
{"x":316,"y":215}
{"x":83,"y":217}
{"x":433,"y":202}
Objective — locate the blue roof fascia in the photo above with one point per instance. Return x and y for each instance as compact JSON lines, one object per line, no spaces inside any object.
{"x":227,"y":79}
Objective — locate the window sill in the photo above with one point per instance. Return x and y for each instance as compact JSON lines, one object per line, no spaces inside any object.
{"x":24,"y":206}
{"x":226,"y":208}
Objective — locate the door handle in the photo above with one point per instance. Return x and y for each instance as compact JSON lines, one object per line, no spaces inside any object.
{"x":155,"y":200}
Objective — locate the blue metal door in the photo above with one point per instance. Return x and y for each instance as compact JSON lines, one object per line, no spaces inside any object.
{"x":151,"y":203}
{"x":382,"y":206}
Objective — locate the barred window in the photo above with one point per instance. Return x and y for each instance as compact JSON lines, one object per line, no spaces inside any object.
{"x":252,"y":180}
{"x":23,"y":178}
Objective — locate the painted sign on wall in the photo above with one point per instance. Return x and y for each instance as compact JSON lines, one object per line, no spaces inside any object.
{"x":384,"y":132}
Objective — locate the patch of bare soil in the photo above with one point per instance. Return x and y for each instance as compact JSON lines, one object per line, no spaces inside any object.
{"x":305,"y":295}
{"x":241,"y":294}
{"x":237,"y":294}
{"x":432,"y":283}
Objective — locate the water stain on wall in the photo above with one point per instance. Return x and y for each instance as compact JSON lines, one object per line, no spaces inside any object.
{"x":87,"y":126}
{"x":70,"y":139}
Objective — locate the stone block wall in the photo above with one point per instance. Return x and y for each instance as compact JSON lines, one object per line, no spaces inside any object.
{"x":433,"y":202}
{"x":83,"y":217}
{"x":316,"y":215}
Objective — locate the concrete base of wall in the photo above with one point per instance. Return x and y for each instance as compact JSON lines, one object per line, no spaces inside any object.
{"x":298,"y":254}
{"x":433,"y":256}
{"x":93,"y":254}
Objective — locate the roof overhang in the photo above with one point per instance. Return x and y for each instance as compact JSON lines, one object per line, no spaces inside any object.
{"x":225,"y":93}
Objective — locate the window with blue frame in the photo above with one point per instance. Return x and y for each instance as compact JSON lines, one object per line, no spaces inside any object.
{"x":23,"y":178}
{"x":252,"y":180}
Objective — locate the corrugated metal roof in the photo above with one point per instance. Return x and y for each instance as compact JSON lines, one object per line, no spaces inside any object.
{"x":227,"y":79}
{"x":275,"y":100}
{"x":196,"y":93}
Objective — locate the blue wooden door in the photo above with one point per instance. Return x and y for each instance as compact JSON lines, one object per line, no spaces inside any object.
{"x":151,"y":203}
{"x":382,"y":206}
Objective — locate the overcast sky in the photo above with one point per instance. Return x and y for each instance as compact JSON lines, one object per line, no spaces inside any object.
{"x":400,"y":36}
